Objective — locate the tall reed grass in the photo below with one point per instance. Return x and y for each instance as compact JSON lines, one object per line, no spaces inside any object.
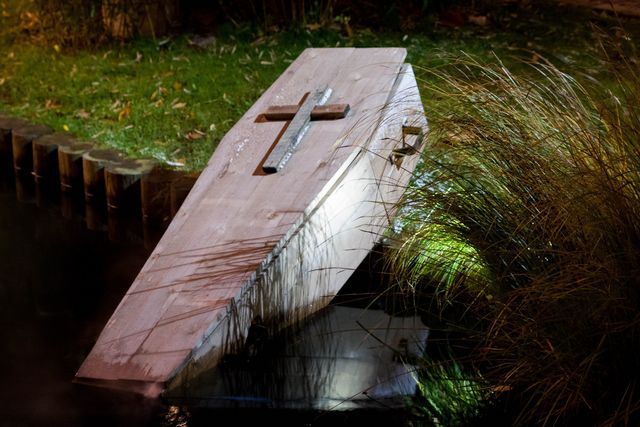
{"x":523,"y":225}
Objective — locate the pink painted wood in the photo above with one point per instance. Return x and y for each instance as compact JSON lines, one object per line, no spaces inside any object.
{"x":234,"y":218}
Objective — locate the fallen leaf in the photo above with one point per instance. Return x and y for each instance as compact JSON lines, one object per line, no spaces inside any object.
{"x":176,"y":104}
{"x":83,"y":114}
{"x":177,"y":85}
{"x":124,"y":112}
{"x":66,"y":128}
{"x":51,"y":104}
{"x":195,"y":134}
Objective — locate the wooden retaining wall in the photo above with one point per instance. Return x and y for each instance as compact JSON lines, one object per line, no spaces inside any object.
{"x":58,"y":165}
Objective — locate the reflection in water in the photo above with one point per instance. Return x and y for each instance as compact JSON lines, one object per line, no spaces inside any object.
{"x":354,"y":358}
{"x":343,"y":358}
{"x":62,"y":276}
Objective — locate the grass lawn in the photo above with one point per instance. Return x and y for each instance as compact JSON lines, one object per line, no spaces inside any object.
{"x":169,"y":100}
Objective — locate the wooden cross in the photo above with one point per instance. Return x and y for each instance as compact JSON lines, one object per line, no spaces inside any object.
{"x":312,"y":107}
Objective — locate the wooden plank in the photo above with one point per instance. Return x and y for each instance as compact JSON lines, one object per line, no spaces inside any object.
{"x":231,"y":221}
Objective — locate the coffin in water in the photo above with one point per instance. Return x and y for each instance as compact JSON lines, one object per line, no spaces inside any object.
{"x":292,"y":200}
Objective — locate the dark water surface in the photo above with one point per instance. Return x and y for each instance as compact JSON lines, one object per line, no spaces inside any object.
{"x":59,"y":283}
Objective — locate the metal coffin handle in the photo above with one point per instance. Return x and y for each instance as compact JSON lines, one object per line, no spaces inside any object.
{"x":407,"y":149}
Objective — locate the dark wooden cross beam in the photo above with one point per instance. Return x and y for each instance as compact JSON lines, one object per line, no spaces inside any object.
{"x":298,"y":117}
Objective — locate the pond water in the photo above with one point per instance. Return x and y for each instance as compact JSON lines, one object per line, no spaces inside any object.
{"x":63,"y":271}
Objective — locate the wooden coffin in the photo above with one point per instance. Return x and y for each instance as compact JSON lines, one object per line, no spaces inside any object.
{"x":292,"y":200}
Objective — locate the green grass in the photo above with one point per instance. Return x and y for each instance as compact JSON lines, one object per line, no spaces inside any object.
{"x":529,"y":191}
{"x":174,"y":102}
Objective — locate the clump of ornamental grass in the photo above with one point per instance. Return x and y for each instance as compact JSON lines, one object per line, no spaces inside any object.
{"x":525,"y":211}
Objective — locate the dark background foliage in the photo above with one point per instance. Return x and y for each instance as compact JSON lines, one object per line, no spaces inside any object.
{"x":89,"y":22}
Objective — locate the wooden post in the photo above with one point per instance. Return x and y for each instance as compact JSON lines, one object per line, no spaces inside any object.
{"x":70,"y":165}
{"x":45,"y":155}
{"x":93,"y":164}
{"x":7,"y":124}
{"x":122,"y":182}
{"x":155,"y":195}
{"x":21,"y":144}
